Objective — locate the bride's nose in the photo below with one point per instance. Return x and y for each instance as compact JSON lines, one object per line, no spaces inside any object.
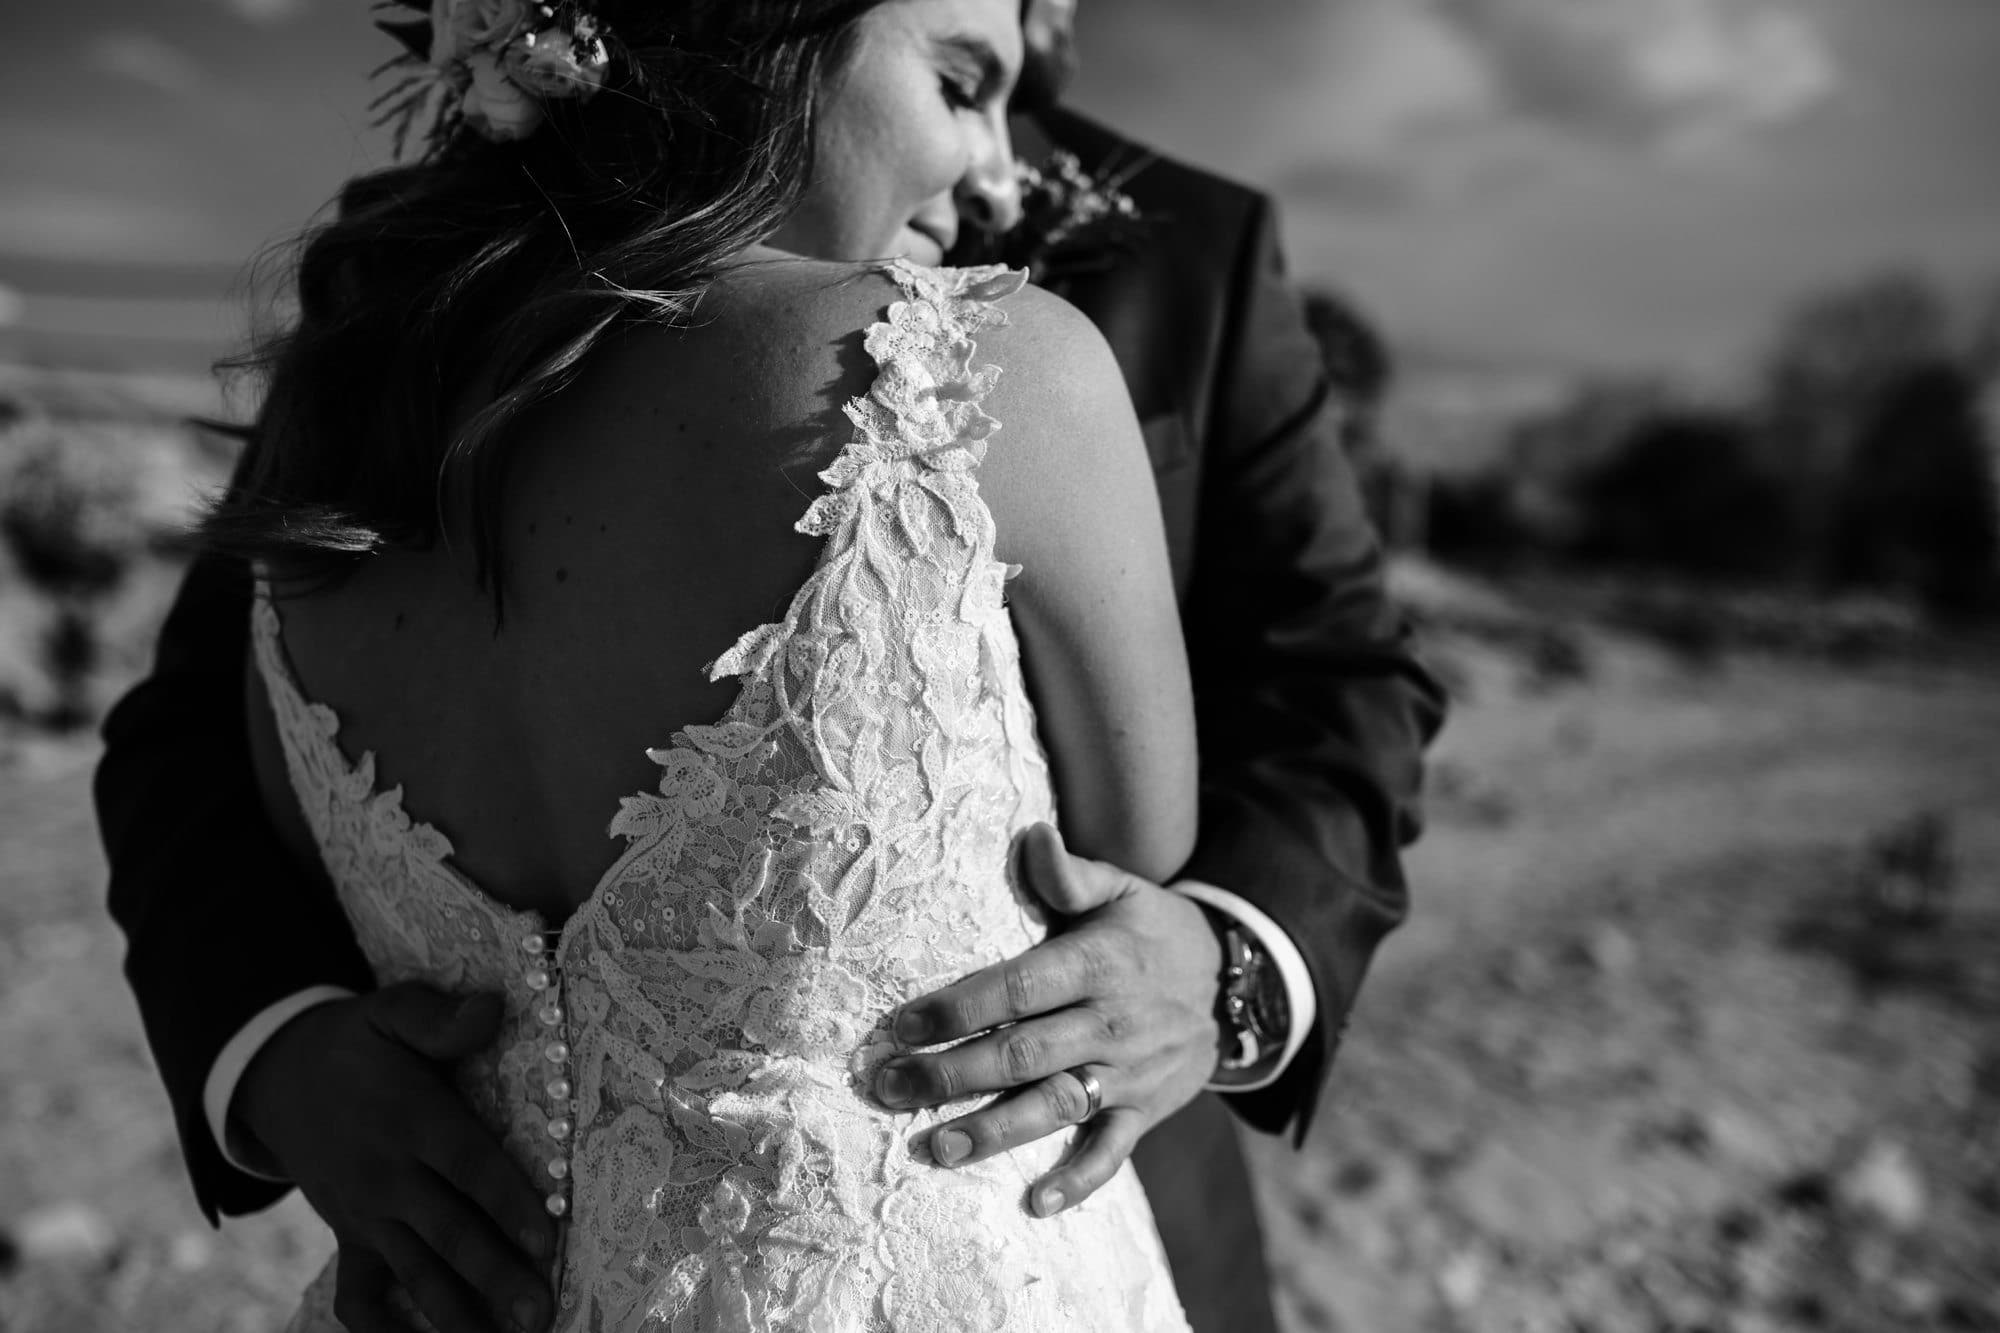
{"x":989,"y":194}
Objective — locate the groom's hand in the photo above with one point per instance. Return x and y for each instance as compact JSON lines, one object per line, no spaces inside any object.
{"x":1125,"y":990}
{"x":355,"y":1102}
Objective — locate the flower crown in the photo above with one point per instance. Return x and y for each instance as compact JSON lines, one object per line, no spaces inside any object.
{"x":490,"y":65}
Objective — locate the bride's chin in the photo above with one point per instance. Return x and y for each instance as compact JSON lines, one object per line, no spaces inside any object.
{"x":918,"y":248}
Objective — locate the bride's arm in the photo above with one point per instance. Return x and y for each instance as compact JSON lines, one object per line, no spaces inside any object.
{"x":1074,"y":503}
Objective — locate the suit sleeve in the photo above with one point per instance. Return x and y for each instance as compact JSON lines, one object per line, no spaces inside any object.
{"x":1312,"y":708}
{"x":219,"y":924}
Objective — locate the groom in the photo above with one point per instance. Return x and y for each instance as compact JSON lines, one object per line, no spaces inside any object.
{"x":285,"y":1065}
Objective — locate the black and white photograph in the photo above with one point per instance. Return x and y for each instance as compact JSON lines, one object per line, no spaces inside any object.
{"x":1000,"y":666}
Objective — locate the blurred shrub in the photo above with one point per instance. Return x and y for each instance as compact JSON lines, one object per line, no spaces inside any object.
{"x":1687,"y":490}
{"x":1475,"y":521}
{"x":1915,"y":509}
{"x":1863,"y":462}
{"x":1623,"y":475}
{"x":95,"y":497}
{"x":66,"y":513}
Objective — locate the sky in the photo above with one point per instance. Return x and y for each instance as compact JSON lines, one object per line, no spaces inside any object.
{"x":1562,"y":182}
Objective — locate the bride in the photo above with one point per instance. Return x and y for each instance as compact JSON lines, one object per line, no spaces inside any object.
{"x":632,"y":461}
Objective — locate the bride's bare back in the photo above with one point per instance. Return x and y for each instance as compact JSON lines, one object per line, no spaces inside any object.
{"x":648,"y":521}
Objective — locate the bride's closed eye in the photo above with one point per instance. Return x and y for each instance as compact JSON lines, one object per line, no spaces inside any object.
{"x":960,"y":93}
{"x":974,"y":76}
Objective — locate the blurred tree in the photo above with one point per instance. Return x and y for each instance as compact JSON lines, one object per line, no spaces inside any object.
{"x":1916,"y":506}
{"x":1686,"y":490}
{"x":1871,"y":460}
{"x":1552,"y":456}
{"x":1533,"y":507}
{"x":1835,"y":357}
{"x":1471,"y":519}
{"x":1982,"y":351}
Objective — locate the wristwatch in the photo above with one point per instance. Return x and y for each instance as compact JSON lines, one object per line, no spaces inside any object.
{"x":1250,"y":1008}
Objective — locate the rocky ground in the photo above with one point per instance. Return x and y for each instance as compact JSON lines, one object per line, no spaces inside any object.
{"x":1695,"y":1026}
{"x":1693,"y":1029}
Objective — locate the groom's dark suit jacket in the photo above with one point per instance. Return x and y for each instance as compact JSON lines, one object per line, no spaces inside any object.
{"x":1312,"y":717}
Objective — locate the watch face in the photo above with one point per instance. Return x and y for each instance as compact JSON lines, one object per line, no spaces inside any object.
{"x":1268,"y":1007}
{"x":1254,"y":1011}
{"x":1269,"y":1011}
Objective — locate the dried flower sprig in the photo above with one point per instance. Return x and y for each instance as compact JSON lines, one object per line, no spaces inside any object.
{"x":1070,"y":217}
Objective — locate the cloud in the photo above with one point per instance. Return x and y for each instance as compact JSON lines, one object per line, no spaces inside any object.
{"x":130,"y":53}
{"x":1448,"y":103}
{"x":265,"y":11}
{"x":59,"y":222}
{"x":1674,"y":73}
{"x":1387,"y":72}
{"x":1353,"y":186}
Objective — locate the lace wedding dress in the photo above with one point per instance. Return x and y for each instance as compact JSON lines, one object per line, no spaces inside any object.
{"x":686,"y":1065}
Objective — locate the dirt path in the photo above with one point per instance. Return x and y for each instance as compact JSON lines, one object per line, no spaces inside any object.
{"x":1645,"y":1059}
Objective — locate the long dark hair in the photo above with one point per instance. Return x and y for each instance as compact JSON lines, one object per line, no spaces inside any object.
{"x":478,"y":281}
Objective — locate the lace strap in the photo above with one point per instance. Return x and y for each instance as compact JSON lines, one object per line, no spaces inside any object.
{"x":926,"y":402}
{"x":298,"y":718}
{"x":922,"y":421}
{"x":323,"y":780}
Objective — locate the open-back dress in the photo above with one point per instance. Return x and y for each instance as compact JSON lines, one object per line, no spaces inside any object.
{"x":685,"y":1065}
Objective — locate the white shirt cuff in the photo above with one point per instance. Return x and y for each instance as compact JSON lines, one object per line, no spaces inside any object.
{"x":1300,"y":997}
{"x":229,"y":1066}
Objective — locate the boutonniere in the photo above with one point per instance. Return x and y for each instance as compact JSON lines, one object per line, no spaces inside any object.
{"x":1072,"y":220}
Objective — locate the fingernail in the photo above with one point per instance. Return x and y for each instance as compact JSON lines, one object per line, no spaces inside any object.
{"x":535,"y":1242}
{"x":951,"y":1146}
{"x":893,"y":1086}
{"x":1049,"y":1201}
{"x":912,"y":1028}
{"x":526,"y":1314}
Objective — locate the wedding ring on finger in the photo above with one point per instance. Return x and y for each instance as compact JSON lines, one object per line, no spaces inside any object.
{"x":1093,"y":1093}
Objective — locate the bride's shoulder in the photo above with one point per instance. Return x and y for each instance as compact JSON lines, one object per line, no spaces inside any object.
{"x":775,"y":339}
{"x":764,"y":349}
{"x":1068,"y":426}
{"x":1068,"y":433}
{"x":772,"y":304}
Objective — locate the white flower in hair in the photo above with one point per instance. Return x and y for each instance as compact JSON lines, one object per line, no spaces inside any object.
{"x":490,"y":65}
{"x":558,"y":62}
{"x":494,"y":104}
